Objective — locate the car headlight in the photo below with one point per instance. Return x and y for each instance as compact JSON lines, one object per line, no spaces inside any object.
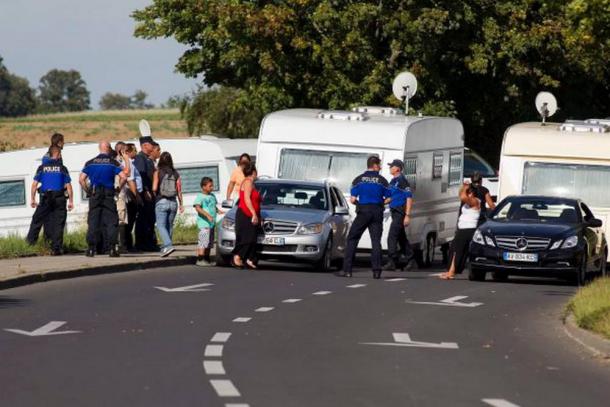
{"x":228,"y":224}
{"x":489,"y":241}
{"x":556,"y":245}
{"x":570,"y":242}
{"x":478,"y":238}
{"x":311,"y":229}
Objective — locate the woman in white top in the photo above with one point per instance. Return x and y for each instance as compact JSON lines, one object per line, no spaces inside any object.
{"x":468,"y":221}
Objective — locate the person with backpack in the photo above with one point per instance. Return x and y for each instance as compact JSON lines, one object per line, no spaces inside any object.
{"x":167,"y":189}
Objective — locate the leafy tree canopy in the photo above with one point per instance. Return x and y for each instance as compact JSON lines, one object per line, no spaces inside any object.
{"x":482,"y":60}
{"x":63,"y":91}
{"x":117,"y":101}
{"x":16,"y":96}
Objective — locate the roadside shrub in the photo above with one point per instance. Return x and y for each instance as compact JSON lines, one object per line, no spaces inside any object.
{"x":591,"y":307}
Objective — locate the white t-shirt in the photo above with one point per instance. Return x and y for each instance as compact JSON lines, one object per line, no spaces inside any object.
{"x":469,"y":219}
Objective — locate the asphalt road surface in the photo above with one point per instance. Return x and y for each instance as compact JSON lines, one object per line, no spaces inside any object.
{"x":286,"y":336}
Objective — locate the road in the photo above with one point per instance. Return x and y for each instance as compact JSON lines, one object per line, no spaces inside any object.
{"x":286,"y":336}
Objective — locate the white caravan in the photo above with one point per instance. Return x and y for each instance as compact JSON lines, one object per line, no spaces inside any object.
{"x":308,"y":144}
{"x":193,"y":157}
{"x":566,"y":160}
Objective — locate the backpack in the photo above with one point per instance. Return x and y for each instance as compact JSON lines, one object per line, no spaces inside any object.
{"x":167,"y":187}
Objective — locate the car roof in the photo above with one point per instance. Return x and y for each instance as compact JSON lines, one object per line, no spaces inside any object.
{"x":292,"y":181}
{"x":572,"y":201}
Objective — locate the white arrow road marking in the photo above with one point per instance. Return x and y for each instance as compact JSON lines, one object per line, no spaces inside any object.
{"x":291,"y":300}
{"x":45,"y":330}
{"x":188,"y":289}
{"x":322,"y":292}
{"x":225,"y":388}
{"x":221,"y":337}
{"x":237,"y":405}
{"x":213,"y":351}
{"x":450,"y":302}
{"x":499,"y":403}
{"x":242,"y":319}
{"x":356,"y":285}
{"x":404,"y":340}
{"x":392,"y":280}
{"x":213,"y":367}
{"x":264,"y":309}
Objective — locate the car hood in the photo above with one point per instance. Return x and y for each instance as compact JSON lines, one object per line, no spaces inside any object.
{"x":303,"y":216}
{"x":528,"y":229}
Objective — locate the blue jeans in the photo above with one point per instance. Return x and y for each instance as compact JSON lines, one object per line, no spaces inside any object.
{"x":165,"y":212}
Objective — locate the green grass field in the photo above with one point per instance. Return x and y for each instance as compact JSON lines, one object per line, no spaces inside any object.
{"x":591,"y":307}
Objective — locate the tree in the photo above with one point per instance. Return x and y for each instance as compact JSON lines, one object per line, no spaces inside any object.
{"x":16,"y":96}
{"x":63,"y":91}
{"x":481,"y":60}
{"x":117,"y":101}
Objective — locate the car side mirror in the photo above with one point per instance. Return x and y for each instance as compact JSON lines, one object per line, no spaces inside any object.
{"x":595,"y":223}
{"x":228,"y":203}
{"x":341,"y":210}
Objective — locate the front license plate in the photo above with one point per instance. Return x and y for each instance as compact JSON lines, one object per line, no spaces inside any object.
{"x":272,"y":241}
{"x":527,"y":257}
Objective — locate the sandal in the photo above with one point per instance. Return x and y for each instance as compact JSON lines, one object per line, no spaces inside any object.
{"x":447,"y":276}
{"x":251,"y":264}
{"x":235,"y":264}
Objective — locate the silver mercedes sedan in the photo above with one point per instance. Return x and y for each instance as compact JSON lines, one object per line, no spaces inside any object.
{"x":304,"y":221}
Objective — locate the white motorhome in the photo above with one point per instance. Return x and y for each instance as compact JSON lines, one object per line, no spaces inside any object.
{"x":193,"y":157}
{"x":308,"y":144}
{"x":566,"y":160}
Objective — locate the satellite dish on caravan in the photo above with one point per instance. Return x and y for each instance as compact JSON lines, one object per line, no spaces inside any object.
{"x":404,"y":88}
{"x":546,"y":104}
{"x":144,"y":128}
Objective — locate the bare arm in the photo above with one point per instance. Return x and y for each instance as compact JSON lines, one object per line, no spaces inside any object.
{"x":70,"y":196}
{"x":408,"y":207}
{"x":248,"y":200}
{"x":33,"y":194}
{"x":230,"y":188}
{"x":203,"y":213}
{"x":82,"y":180}
{"x":179,"y":191}
{"x":155,"y":185}
{"x":490,"y":202}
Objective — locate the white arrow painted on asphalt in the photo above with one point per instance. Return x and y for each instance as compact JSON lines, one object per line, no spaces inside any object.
{"x":404,"y":340}
{"x":46,"y":330}
{"x":450,"y":302}
{"x":499,"y":403}
{"x":187,"y":289}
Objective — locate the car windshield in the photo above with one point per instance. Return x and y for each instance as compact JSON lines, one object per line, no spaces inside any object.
{"x":475,"y":163}
{"x":293,"y":195}
{"x":540,"y":211}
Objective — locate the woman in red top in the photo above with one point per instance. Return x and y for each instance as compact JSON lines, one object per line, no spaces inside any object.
{"x":247,"y":220}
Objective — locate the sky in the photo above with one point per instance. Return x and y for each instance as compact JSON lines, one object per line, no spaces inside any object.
{"x":95,"y":37}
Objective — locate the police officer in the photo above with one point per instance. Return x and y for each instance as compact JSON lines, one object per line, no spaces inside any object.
{"x":101,"y":172}
{"x":401,"y":200}
{"x":145,"y":220}
{"x":369,"y":191}
{"x":54,"y":179}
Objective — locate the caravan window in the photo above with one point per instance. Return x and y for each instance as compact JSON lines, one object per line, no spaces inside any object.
{"x":410,"y":171}
{"x":437,"y":165}
{"x":586,"y":182}
{"x":12,"y":193}
{"x":305,"y":165}
{"x":455,"y":169}
{"x":191,"y":178}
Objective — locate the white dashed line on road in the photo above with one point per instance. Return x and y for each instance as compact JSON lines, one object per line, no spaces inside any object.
{"x":392,"y":280}
{"x":499,"y":403}
{"x":213,"y":351}
{"x":221,"y":337}
{"x":356,"y":285}
{"x":322,"y":292}
{"x":291,"y":300}
{"x":264,"y":309}
{"x":237,"y":405}
{"x":242,"y":319}
{"x":225,"y":388}
{"x":213,"y":367}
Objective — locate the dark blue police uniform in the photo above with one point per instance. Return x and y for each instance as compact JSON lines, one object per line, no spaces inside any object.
{"x":103,"y":215}
{"x":51,"y":210}
{"x":371,"y":190}
{"x":400,"y":191}
{"x":145,"y":222}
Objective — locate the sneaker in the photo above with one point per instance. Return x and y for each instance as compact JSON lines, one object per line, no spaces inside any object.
{"x":166,"y":251}
{"x":389,"y":266}
{"x":114,"y":252}
{"x":90,"y":252}
{"x":203,"y":263}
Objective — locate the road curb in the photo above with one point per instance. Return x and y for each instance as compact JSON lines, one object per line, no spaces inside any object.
{"x":28,"y":279}
{"x":595,"y":344}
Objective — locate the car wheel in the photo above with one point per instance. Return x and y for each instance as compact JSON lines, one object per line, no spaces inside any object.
{"x":476,"y":275}
{"x":326,"y":262}
{"x":429,"y":250}
{"x":581,"y":275}
{"x":222,"y":261}
{"x":603,"y":265}
{"x":499,"y":276}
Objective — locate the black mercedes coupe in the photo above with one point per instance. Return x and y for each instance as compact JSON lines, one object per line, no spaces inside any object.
{"x":539,"y":236}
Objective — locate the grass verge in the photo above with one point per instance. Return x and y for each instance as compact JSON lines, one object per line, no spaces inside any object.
{"x":591,"y":307}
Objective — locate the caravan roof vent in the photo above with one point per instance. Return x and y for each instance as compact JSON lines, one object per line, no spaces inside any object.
{"x":584,"y":127}
{"x":342,"y":115}
{"x":605,"y":122}
{"x":378,"y":110}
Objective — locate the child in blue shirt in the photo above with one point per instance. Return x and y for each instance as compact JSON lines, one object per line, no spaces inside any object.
{"x":206,"y":206}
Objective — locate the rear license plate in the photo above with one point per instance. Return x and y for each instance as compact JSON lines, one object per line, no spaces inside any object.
{"x":527,"y":257}
{"x":272,"y":241}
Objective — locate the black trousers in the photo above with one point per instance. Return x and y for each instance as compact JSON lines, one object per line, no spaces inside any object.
{"x":52,"y":213}
{"x":132,"y":211}
{"x":146,"y":238}
{"x":245,"y":237}
{"x":369,"y":217}
{"x":460,"y":247}
{"x":103,"y":218}
{"x":397,"y":236}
